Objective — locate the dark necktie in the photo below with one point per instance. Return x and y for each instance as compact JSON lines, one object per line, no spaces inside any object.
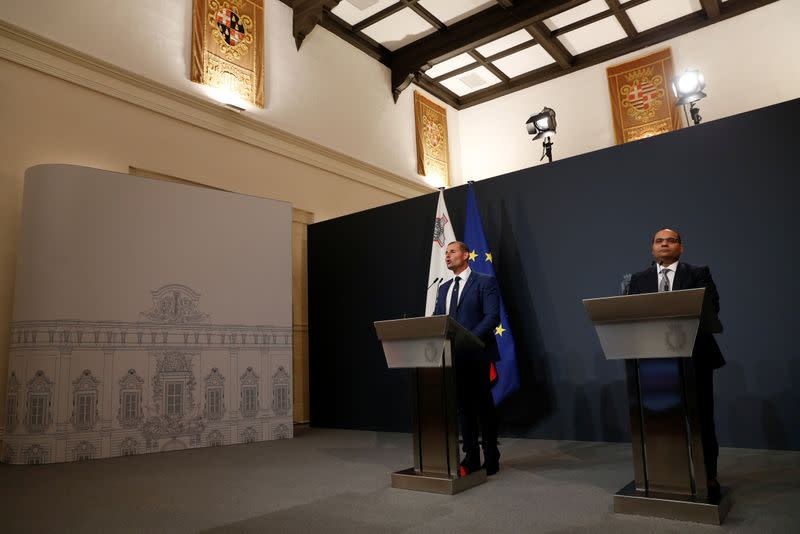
{"x":665,"y":283}
{"x":454,"y":298}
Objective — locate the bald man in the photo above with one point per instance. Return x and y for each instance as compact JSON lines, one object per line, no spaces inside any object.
{"x":669,"y":274}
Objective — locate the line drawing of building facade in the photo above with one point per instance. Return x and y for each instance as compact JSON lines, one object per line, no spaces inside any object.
{"x":80,"y":390}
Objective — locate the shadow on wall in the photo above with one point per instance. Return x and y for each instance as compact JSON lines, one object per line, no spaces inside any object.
{"x":534,"y":401}
{"x":598,"y":406}
{"x":747,"y":407}
{"x":614,"y":426}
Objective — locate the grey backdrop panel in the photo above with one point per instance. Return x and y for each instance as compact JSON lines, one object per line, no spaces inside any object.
{"x":570,"y":230}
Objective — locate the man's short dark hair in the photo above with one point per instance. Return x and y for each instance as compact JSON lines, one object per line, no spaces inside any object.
{"x":463,"y":246}
{"x":671,"y":230}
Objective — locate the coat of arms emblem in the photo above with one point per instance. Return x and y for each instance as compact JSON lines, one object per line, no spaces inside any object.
{"x":642,"y":96}
{"x":676,"y":337}
{"x":231,"y":28}
{"x":438,"y":230}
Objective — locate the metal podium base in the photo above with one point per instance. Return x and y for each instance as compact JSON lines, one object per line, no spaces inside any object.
{"x":629,"y":501}
{"x":411,"y":480}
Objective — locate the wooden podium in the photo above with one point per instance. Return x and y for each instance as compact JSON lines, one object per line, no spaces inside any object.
{"x":655,"y":334}
{"x":426,"y":346}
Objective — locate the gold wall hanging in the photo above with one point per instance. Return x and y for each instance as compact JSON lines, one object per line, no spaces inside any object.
{"x":433,"y":156}
{"x":642,"y":101}
{"x":228,"y":47}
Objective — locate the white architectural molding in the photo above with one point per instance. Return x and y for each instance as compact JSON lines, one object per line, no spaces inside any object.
{"x":38,"y":53}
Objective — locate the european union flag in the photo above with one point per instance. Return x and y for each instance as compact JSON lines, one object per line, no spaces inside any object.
{"x":481,"y":261}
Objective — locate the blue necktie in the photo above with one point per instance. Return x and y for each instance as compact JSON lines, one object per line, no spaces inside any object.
{"x":454,"y":298}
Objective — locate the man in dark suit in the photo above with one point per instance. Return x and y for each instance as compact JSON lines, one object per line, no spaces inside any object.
{"x":668,"y":274}
{"x":472,"y":299}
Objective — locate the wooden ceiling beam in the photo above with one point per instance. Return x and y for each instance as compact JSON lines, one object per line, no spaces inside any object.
{"x":622,"y":17}
{"x":429,"y":17}
{"x":581,"y":23}
{"x":468,"y":34}
{"x":711,"y":7}
{"x":306,"y":14}
{"x":686,"y":24}
{"x":540,"y":32}
{"x":379,"y":16}
{"x":633,"y":3}
{"x":488,"y":65}
{"x":455,"y":72}
{"x":494,"y":57}
{"x":342,"y":29}
{"x":513,"y":50}
{"x":439,"y":91}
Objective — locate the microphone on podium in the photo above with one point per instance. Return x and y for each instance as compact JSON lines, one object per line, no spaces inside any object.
{"x":437,"y":281}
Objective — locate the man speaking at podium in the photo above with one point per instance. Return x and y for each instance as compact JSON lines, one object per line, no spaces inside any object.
{"x":471,"y":298}
{"x":668,"y":274}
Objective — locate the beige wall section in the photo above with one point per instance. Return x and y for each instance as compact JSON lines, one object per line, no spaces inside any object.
{"x":328,"y":92}
{"x":55,"y":121}
{"x":300,"y":221}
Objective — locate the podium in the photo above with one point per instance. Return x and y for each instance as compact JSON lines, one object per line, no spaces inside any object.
{"x":655,"y":334}
{"x":426,"y":345}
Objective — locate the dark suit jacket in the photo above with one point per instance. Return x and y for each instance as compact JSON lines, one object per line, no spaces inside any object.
{"x":706,"y":351}
{"x":478,"y":308}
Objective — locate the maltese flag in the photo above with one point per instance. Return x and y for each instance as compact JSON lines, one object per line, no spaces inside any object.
{"x":442,"y":235}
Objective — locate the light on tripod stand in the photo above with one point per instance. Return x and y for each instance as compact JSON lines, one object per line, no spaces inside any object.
{"x":543,"y":124}
{"x":688,"y":88}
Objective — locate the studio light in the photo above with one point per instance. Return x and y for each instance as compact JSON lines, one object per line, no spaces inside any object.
{"x":543,"y":124}
{"x":688,"y":88}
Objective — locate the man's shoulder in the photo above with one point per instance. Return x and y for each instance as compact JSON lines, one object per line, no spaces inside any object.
{"x":692,"y":267}
{"x":483,"y":278}
{"x":697,"y":272}
{"x":643,"y":272}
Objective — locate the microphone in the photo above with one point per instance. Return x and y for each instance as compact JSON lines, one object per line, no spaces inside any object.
{"x":438,"y":282}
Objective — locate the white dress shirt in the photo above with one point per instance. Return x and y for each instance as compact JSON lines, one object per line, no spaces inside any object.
{"x":670,"y":275}
{"x":461,"y":284}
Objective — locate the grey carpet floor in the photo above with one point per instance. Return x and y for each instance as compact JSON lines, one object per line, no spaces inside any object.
{"x":327,"y":480}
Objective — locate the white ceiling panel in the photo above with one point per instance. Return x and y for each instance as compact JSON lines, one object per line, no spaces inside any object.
{"x":565,"y":18}
{"x":504,"y":43}
{"x":524,"y":61}
{"x":592,"y":36}
{"x":451,"y":64}
{"x":399,"y":29}
{"x":451,"y":11}
{"x":470,"y":81}
{"x":657,"y":12}
{"x":354,"y":11}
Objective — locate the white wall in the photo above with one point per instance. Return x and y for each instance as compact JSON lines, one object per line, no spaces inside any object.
{"x":749,"y":61}
{"x":328,"y":92}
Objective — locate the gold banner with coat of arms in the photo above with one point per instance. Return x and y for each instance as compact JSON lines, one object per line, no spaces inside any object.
{"x":228,"y":47}
{"x":433,"y":156}
{"x":642,"y":101}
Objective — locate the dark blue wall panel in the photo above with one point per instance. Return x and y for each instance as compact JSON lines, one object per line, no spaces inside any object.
{"x":570,"y":230}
